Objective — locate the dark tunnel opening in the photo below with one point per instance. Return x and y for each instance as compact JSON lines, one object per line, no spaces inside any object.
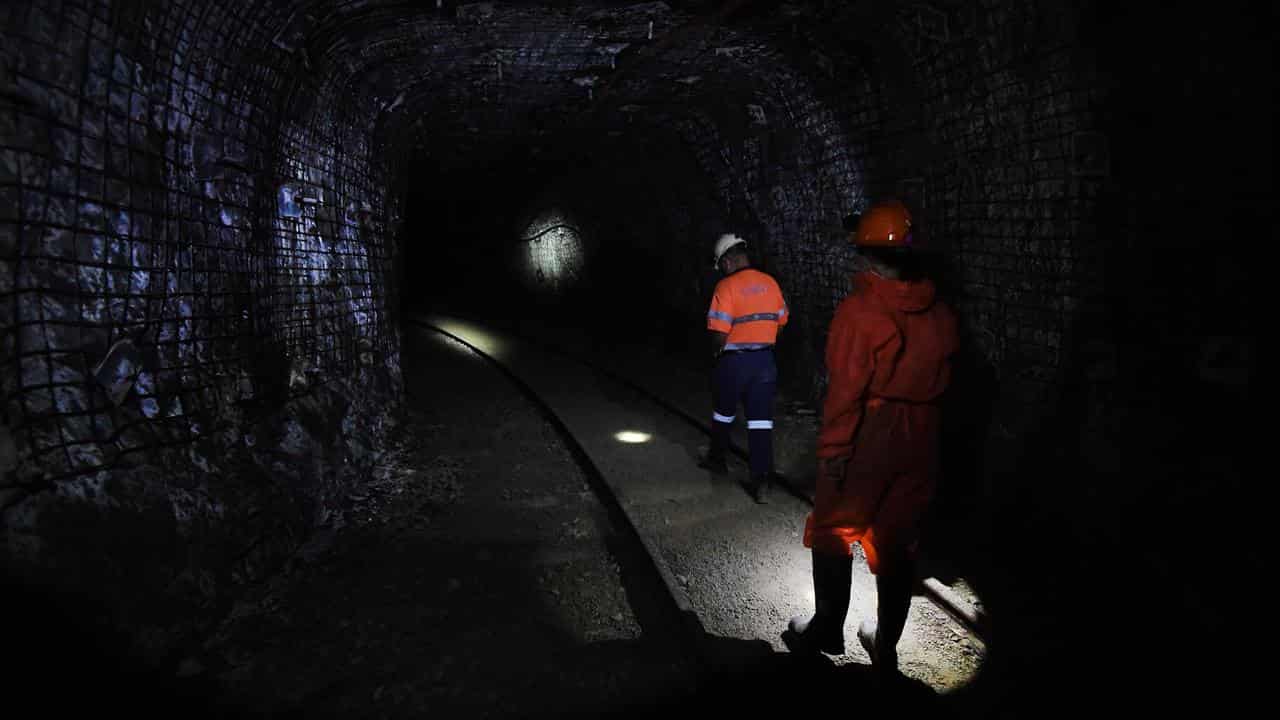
{"x":575,"y":233}
{"x":223,"y":225}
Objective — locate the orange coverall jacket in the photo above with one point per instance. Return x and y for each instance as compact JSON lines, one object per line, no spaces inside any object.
{"x":888,"y":359}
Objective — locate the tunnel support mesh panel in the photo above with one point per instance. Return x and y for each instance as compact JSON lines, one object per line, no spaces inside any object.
{"x":175,"y":185}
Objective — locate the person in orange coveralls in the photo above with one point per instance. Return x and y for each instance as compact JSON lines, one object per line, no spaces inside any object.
{"x":888,"y":361}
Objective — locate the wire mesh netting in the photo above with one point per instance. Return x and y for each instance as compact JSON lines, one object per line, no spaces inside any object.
{"x":186,"y":219}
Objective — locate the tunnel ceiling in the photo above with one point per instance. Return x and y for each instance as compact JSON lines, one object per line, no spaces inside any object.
{"x":467,"y":72}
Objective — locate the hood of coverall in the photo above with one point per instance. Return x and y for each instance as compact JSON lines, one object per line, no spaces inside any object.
{"x":906,"y":296}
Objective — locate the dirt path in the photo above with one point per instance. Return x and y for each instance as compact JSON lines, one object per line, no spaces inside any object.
{"x":477,"y":577}
{"x":754,"y":574}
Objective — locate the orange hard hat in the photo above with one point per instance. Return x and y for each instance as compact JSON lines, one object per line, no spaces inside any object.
{"x":885,"y":224}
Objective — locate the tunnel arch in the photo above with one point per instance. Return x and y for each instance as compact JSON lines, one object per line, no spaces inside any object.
{"x":723,"y":135}
{"x":213,"y":195}
{"x":790,"y":130}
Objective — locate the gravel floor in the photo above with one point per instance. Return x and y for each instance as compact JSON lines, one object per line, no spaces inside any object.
{"x":476,"y":578}
{"x":758,"y":575}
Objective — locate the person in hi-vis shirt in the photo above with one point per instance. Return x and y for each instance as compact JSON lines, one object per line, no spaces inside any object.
{"x":746,"y":316}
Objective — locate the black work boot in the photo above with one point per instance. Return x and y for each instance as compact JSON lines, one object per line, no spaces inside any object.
{"x":879,"y":637}
{"x":824,"y":631}
{"x":883,"y":658}
{"x":759,"y":488}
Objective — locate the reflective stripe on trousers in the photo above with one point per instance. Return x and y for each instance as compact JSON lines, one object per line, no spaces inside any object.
{"x":749,"y":378}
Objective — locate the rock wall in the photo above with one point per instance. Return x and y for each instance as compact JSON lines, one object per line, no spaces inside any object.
{"x":197,"y":347}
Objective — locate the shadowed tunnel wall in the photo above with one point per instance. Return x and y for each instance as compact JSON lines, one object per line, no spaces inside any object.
{"x":216,"y":191}
{"x":179,"y":188}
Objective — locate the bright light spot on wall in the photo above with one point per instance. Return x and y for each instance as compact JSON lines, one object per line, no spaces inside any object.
{"x":630,"y":436}
{"x":553,"y":252}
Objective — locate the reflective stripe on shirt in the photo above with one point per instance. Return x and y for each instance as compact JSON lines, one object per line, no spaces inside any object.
{"x":755,"y":317}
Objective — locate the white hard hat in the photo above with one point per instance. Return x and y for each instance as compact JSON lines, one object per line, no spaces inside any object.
{"x":725,"y":242}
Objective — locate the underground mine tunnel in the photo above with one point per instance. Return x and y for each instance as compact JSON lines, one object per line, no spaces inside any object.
{"x":356,"y":360}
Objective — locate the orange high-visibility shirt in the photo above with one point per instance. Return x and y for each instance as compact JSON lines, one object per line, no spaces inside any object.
{"x":748,"y":305}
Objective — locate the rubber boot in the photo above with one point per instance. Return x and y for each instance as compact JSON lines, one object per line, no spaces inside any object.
{"x":883,"y":659}
{"x":880,"y":637}
{"x":824,"y":631}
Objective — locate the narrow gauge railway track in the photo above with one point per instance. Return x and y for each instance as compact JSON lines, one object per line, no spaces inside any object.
{"x":655,"y":569}
{"x":640,"y":556}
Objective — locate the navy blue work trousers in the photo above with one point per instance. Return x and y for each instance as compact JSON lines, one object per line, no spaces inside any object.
{"x":748,"y":377}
